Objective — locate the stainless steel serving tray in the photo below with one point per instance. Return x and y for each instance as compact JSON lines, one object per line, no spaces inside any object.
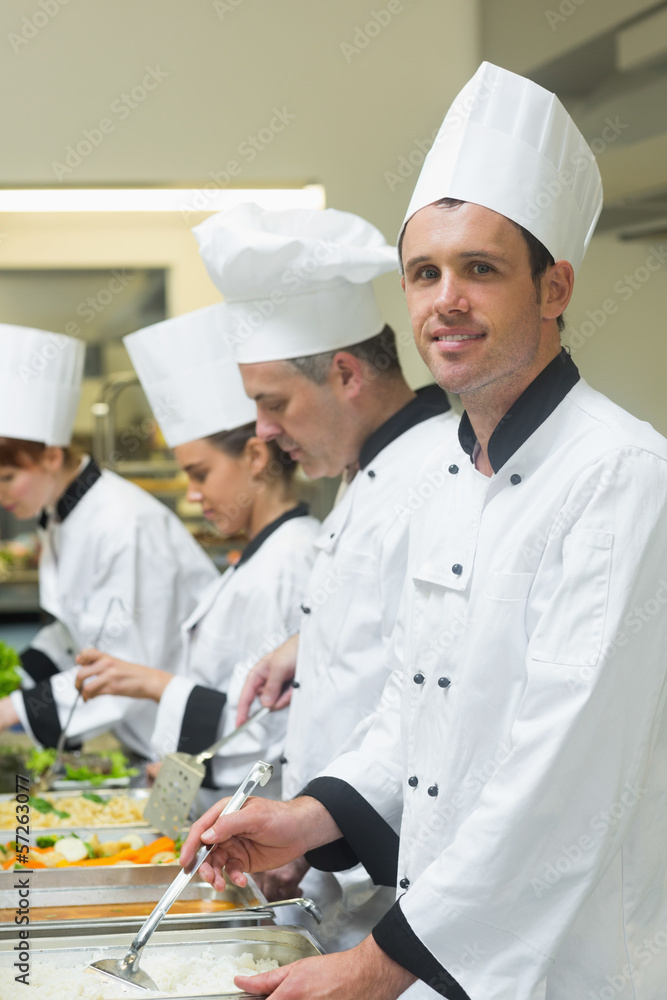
{"x":72,"y":887}
{"x":108,"y":832}
{"x":285,"y":944}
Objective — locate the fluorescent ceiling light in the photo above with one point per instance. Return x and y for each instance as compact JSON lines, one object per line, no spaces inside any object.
{"x":205,"y":199}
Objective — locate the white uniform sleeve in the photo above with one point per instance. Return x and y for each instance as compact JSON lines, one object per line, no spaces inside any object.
{"x":193,"y":714}
{"x":363,"y":788}
{"x":141,"y":592}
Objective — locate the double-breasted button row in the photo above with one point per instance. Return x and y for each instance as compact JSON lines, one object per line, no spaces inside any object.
{"x":443,"y":682}
{"x":413,"y":781}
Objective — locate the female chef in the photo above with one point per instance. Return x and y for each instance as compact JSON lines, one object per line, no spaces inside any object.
{"x":244,"y":484}
{"x":117,"y":568}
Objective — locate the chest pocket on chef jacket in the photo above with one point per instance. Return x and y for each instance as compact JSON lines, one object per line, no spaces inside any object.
{"x":571,"y":630}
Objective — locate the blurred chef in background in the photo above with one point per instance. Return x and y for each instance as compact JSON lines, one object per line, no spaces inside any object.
{"x":244,"y":485}
{"x":117,"y":568}
{"x":323,"y":369}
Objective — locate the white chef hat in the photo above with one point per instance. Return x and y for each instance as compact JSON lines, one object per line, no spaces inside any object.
{"x":511,"y":146}
{"x":297,"y":282}
{"x":186,"y":368}
{"x":40,"y":384}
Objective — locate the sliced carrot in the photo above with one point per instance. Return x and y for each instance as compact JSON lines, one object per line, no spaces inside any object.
{"x":144,"y":854}
{"x":126,"y":855}
{"x":30,"y":864}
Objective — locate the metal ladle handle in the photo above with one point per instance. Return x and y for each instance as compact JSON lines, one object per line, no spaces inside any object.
{"x":259,"y":775}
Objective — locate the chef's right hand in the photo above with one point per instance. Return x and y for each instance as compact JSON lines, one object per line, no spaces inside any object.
{"x":267,"y":679}
{"x":264,"y":834}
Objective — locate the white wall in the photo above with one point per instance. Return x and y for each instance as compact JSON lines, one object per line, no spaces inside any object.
{"x":616,"y":324}
{"x":355,"y":111}
{"x":358,"y":115}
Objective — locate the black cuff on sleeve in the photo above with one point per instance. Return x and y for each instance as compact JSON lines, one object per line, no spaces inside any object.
{"x":42,"y":713}
{"x":37,"y":664}
{"x":367,"y":837}
{"x":398,"y":940}
{"x":200,"y":725}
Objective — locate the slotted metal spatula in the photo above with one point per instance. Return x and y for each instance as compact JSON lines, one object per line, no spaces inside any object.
{"x":178,"y":781}
{"x":126,"y":970}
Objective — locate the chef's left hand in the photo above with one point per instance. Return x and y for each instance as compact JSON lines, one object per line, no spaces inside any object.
{"x":104,"y":674}
{"x":365,"y":971}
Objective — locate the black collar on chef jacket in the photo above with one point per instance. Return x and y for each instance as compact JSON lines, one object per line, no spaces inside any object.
{"x":74,"y":492}
{"x":531,"y":409}
{"x":430,"y":401}
{"x":300,"y":510}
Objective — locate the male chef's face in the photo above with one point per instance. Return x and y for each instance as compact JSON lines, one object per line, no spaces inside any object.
{"x":311,"y":422}
{"x":475,"y":310}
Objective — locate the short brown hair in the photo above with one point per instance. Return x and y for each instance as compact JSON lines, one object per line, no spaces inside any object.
{"x":22,"y":454}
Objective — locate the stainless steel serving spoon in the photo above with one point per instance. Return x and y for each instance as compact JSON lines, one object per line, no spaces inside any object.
{"x":126,"y":970}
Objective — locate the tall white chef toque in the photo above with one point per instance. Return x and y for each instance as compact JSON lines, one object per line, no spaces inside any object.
{"x":509,"y":145}
{"x":297,"y":282}
{"x":187,"y":370}
{"x":40,"y":384}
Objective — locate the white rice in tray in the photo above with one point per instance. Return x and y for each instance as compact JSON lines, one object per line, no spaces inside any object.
{"x":194,"y":974}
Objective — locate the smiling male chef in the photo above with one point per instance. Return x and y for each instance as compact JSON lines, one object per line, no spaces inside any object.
{"x":322,"y":366}
{"x":515,"y":779}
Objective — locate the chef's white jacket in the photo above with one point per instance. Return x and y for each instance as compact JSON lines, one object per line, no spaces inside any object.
{"x":520,"y":746}
{"x":250,"y":610}
{"x":349,"y":610}
{"x":352,"y":597}
{"x":117,"y":570}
